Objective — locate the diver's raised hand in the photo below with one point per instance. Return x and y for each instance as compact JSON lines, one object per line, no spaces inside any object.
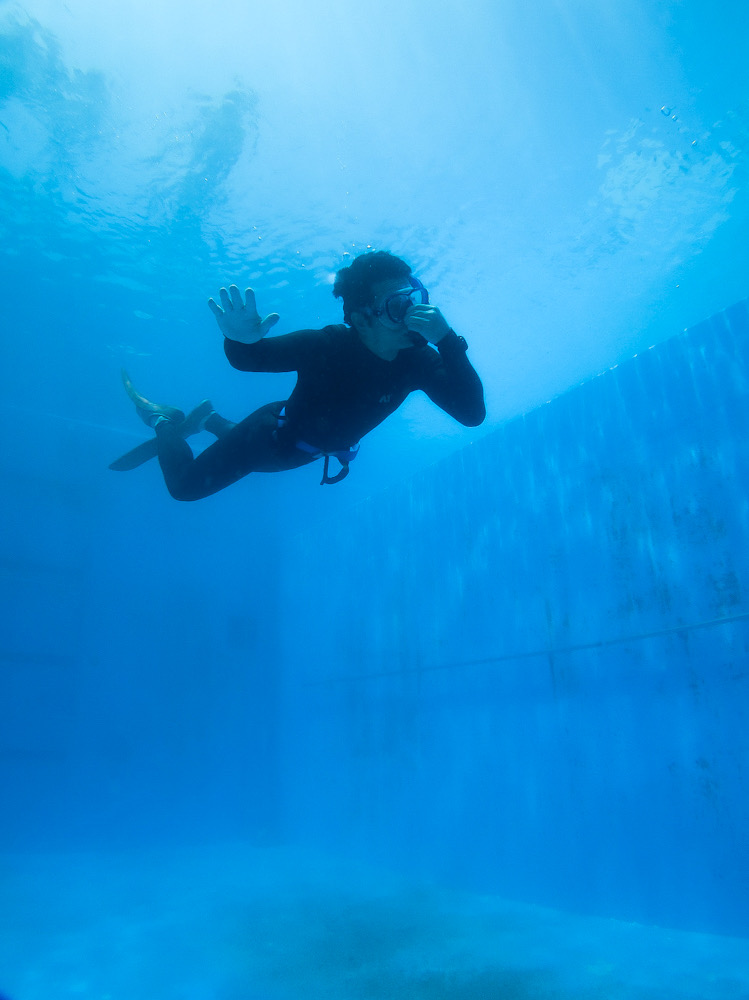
{"x":240,"y":320}
{"x":428,"y":322}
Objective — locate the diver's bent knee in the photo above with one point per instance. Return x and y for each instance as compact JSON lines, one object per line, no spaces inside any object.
{"x":184,"y":495}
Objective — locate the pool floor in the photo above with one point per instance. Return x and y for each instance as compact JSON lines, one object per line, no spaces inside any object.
{"x":237,"y":923}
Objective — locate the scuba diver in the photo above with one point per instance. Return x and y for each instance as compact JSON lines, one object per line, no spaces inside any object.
{"x":350,"y":377}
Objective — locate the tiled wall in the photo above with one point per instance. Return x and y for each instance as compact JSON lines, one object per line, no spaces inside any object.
{"x":526,"y":670}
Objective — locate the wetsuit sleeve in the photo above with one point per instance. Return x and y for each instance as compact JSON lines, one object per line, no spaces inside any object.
{"x":451,"y":382}
{"x":287,"y":353}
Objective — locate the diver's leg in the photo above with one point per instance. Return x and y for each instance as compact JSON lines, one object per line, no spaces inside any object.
{"x":203,"y":418}
{"x":249,"y":446}
{"x":217,"y":425}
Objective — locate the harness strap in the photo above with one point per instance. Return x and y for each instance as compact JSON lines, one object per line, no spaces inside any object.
{"x":344,"y":457}
{"x":330,"y":480}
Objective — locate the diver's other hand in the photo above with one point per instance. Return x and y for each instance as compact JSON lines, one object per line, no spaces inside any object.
{"x":240,"y":320}
{"x":428,"y":322}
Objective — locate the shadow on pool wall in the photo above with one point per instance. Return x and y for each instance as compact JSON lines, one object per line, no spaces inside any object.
{"x":525,"y":671}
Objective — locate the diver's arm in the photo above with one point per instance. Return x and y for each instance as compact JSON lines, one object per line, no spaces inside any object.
{"x":287,"y":353}
{"x":244,"y":335}
{"x":451,"y":382}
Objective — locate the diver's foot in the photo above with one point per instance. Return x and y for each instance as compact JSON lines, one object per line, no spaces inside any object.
{"x":152,"y":414}
{"x":195,"y":420}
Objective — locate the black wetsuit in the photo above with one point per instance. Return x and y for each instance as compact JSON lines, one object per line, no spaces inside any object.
{"x":343,"y":391}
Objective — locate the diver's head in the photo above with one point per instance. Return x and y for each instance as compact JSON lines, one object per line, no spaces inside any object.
{"x":355,"y":284}
{"x":378,"y":291}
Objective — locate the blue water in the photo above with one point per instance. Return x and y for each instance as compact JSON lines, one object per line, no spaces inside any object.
{"x":472,"y":723}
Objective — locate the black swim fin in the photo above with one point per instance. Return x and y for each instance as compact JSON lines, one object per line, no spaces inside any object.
{"x":135,"y":457}
{"x":148,"y":449}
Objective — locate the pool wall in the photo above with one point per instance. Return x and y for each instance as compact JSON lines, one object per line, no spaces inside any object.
{"x":526,"y":670}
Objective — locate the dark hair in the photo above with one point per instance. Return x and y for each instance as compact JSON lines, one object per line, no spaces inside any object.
{"x":354,"y":283}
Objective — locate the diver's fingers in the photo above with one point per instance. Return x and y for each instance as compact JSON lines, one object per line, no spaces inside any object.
{"x":251,"y":305}
{"x":270,"y":321}
{"x":413,"y":320}
{"x":225,"y":300}
{"x":217,"y":311}
{"x":236,"y":297}
{"x":421,"y":312}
